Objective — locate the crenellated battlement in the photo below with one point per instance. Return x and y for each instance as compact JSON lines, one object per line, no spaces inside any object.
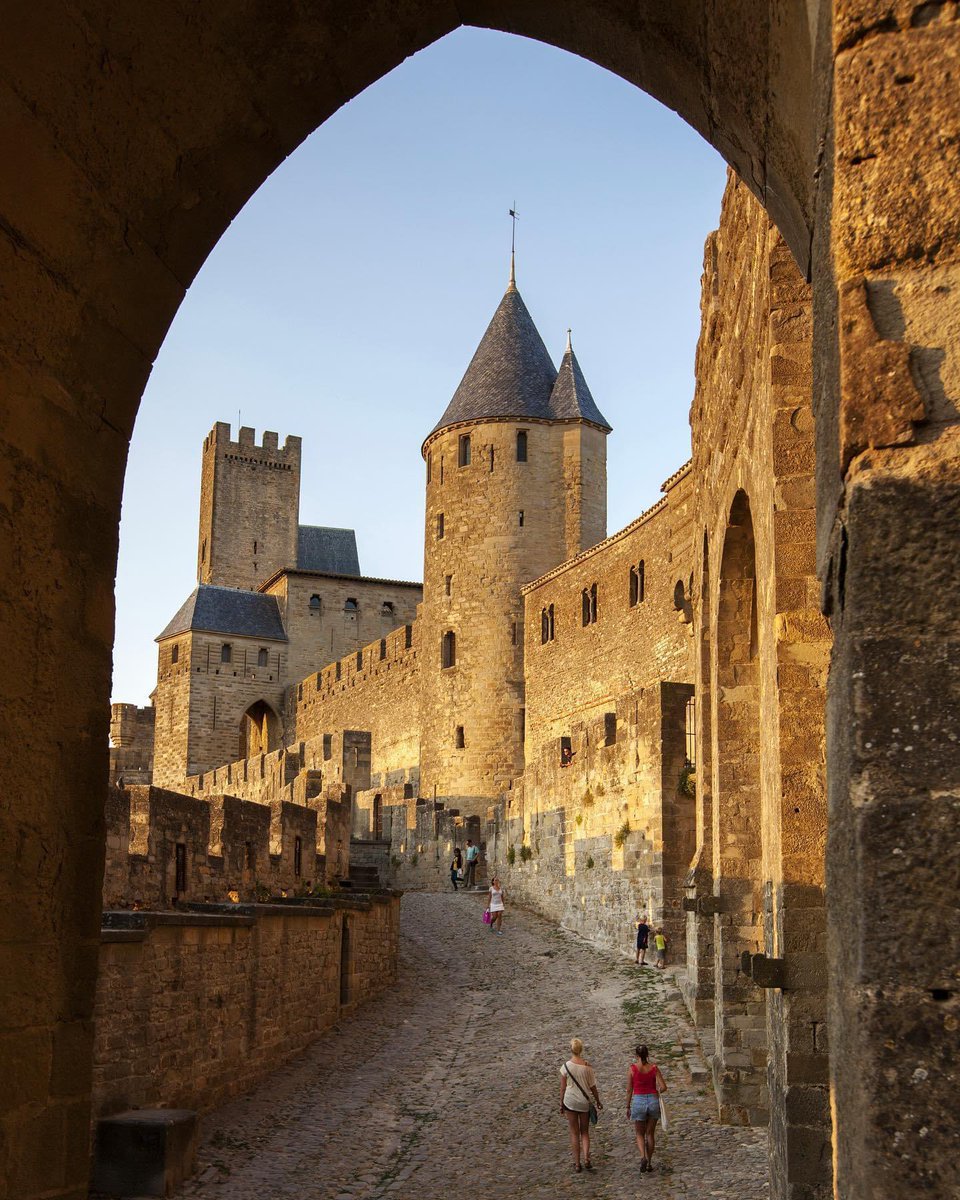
{"x":166,"y":848}
{"x":246,"y":447}
{"x":394,"y":653}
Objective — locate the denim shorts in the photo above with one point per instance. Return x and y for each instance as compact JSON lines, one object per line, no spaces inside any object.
{"x":643,"y":1108}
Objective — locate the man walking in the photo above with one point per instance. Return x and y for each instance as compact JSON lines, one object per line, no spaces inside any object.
{"x":473,"y":854}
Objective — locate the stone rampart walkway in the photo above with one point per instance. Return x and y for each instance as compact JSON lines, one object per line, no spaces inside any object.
{"x":449,"y":1086}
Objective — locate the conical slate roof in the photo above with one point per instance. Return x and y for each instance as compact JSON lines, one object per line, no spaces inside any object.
{"x":570,"y":399}
{"x":510,"y":375}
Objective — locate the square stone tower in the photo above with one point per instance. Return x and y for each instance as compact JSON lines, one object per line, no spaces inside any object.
{"x":249,"y":507}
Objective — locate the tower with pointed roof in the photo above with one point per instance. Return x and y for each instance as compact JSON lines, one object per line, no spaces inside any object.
{"x":516,"y":483}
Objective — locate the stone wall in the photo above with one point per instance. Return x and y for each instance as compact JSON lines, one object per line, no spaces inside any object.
{"x":193,"y":1008}
{"x":164,"y":848}
{"x":323,"y":627}
{"x":375,"y":690}
{"x":756,"y":925}
{"x":641,"y":633}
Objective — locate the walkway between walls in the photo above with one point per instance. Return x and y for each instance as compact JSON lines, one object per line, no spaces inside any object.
{"x":449,"y":1085}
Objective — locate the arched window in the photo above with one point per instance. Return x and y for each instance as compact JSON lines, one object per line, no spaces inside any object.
{"x":314,"y":605}
{"x":175,"y":652}
{"x":262,"y":657}
{"x":226,"y":653}
{"x":350,"y":605}
{"x":463,"y":455}
{"x":521,"y":445}
{"x":448,"y":649}
{"x":678,"y":595}
{"x":386,"y":609}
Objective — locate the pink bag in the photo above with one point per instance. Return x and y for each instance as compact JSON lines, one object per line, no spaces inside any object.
{"x":486,"y":916}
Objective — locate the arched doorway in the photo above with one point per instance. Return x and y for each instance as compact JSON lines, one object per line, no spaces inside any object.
{"x":802,"y":100}
{"x":260,"y":730}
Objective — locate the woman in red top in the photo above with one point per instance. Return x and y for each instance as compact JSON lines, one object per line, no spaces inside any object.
{"x":644,"y":1085}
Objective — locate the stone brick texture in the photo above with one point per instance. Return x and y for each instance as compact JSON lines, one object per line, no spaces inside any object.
{"x":193,"y":1008}
{"x":841,"y":119}
{"x":471,"y":711}
{"x":249,"y":507}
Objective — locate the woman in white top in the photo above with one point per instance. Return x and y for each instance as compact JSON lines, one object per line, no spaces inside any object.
{"x":577,"y":1084}
{"x":495,"y":905}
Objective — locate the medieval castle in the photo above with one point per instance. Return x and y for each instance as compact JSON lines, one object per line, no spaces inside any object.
{"x":625,"y":724}
{"x":533,"y":642}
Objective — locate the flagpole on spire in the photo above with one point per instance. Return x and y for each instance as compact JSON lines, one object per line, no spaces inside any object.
{"x":515,"y":216}
{"x":569,"y":339}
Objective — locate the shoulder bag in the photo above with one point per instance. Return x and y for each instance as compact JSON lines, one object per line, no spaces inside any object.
{"x":594,"y":1115}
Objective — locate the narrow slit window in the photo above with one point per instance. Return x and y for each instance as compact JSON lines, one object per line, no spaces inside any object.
{"x":448,"y":584}
{"x":175,"y":652}
{"x":180,"y":867}
{"x":690,"y":733}
{"x":429,"y":465}
{"x":359,"y":660}
{"x":439,"y":526}
{"x":521,"y":445}
{"x":383,"y":649}
{"x":297,"y":857}
{"x":492,"y":457}
{"x":262,"y":657}
{"x":448,"y":650}
{"x":226,"y":653}
{"x":520,"y":518}
{"x":459,"y":737}
{"x":463,"y":451}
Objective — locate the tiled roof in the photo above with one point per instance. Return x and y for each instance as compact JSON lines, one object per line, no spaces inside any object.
{"x":571,"y":398}
{"x":510,"y":375}
{"x":320,"y":548}
{"x":228,"y":610}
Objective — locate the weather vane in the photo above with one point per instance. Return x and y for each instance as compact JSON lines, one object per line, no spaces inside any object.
{"x":515,"y":216}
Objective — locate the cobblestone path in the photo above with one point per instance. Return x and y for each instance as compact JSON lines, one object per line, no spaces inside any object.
{"x":449,"y":1085}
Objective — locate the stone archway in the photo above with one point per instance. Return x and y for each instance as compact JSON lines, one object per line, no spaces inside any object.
{"x":738,"y":856}
{"x":132,"y":136}
{"x":261,"y":730}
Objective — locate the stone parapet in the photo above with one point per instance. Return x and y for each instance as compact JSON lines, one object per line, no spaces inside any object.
{"x":196,"y":1006}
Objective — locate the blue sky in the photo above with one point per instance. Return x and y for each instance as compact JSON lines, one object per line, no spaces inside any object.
{"x":345,"y":301}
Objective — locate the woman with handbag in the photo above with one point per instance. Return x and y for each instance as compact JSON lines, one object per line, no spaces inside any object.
{"x":577,"y":1084}
{"x":644,"y":1085}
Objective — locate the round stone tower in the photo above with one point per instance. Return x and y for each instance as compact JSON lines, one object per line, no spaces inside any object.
{"x":516,"y":484}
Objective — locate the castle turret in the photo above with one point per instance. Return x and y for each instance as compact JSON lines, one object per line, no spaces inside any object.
{"x":249,"y":507}
{"x":516,"y":483}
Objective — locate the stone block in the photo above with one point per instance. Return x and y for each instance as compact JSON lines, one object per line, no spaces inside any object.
{"x":147,"y":1152}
